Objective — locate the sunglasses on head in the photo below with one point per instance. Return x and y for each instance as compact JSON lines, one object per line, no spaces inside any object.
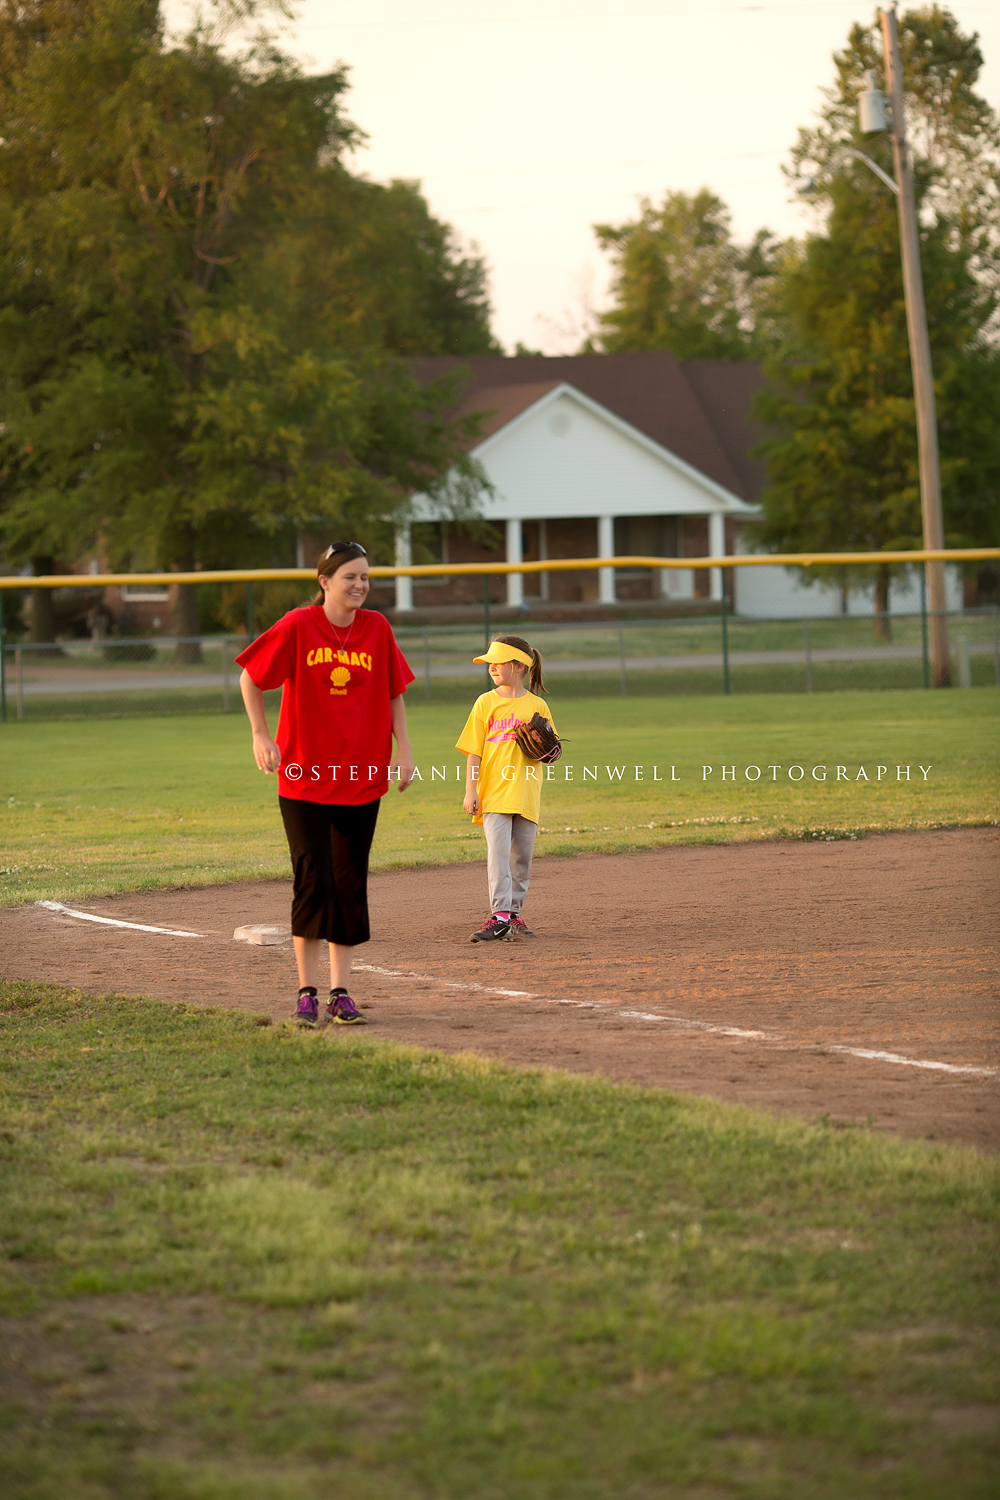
{"x":343,"y":547}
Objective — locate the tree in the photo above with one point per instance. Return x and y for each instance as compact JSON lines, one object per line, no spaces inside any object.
{"x":203,"y":310}
{"x":392,"y":276}
{"x":681,"y":283}
{"x":953,"y":131}
{"x":842,"y":459}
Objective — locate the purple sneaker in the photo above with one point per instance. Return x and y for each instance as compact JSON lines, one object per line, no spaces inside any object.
{"x":342,"y":1011}
{"x":308,"y":1011}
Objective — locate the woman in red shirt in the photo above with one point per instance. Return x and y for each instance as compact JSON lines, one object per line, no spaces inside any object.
{"x":343,"y":678}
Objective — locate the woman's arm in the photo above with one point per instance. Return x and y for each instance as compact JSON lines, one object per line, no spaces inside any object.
{"x":265,"y":751}
{"x":471,"y":803}
{"x":402,"y":764}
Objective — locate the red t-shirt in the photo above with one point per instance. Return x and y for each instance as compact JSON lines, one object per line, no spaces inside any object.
{"x":335,"y":725}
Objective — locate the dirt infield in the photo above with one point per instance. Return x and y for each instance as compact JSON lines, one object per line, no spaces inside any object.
{"x":757,"y":973}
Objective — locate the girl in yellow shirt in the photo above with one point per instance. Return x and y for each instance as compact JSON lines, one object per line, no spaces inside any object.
{"x":502,"y":786}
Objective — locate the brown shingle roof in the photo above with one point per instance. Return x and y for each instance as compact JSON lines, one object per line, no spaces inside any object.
{"x":726,"y":388}
{"x":502,"y":403}
{"x":698,"y":410}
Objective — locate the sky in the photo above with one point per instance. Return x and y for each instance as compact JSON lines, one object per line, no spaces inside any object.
{"x":527,"y":121}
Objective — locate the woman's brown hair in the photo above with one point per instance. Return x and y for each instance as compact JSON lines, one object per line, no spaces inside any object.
{"x":535,"y":682}
{"x":333,"y":559}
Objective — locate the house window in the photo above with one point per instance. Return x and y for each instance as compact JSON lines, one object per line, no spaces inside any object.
{"x":429,"y":541}
{"x":646,"y":536}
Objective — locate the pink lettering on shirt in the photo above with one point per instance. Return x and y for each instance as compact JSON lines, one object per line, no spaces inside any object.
{"x":502,"y":728}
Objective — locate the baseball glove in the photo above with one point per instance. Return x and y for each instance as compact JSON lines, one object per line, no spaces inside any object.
{"x":538,"y":739}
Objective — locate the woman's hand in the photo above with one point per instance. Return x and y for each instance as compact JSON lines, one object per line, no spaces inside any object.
{"x":471,"y":803}
{"x":403,"y":766}
{"x":265,"y":752}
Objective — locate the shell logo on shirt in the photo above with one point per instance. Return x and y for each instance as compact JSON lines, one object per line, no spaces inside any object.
{"x":340,"y":677}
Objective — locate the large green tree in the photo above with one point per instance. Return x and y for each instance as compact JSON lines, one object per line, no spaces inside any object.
{"x":681,"y":283}
{"x":203,"y":313}
{"x":843,"y":457}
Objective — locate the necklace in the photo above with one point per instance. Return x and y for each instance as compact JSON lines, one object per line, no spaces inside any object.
{"x":342,"y":643}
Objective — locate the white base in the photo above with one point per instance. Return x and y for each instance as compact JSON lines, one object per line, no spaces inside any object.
{"x":264,"y":937}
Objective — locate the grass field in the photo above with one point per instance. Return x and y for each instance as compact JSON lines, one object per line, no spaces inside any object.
{"x":251,"y":1264}
{"x":98,"y":806}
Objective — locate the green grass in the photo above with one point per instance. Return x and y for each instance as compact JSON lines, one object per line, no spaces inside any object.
{"x":137,"y":803}
{"x":253,"y":1264}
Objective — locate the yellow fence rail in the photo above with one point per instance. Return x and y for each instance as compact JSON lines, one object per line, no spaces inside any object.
{"x":550,"y":565}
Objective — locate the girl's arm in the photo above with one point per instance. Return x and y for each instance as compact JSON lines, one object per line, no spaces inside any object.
{"x":403,"y":764}
{"x":265,"y":751}
{"x":471,"y":803}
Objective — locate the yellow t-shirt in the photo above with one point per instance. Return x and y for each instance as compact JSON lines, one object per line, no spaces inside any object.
{"x":508,"y":781}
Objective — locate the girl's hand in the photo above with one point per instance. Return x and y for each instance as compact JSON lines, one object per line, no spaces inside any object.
{"x":265,"y":752}
{"x":471,"y":803}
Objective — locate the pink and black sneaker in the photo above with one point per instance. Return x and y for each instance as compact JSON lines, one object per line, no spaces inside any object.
{"x":342,"y":1011}
{"x":494,"y":929}
{"x":520,"y":928}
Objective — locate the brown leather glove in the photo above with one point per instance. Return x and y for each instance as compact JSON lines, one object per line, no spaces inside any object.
{"x":538,"y":739}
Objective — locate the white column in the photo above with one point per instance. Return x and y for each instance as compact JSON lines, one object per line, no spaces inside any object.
{"x":664,"y":583}
{"x":515,"y":554}
{"x":543,"y":553}
{"x":606,"y":548}
{"x":404,"y":559}
{"x":716,"y":548}
{"x":669,"y":583}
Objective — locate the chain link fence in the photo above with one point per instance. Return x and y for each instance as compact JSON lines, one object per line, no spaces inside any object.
{"x":640,"y":658}
{"x":113,"y":678}
{"x":668,"y":657}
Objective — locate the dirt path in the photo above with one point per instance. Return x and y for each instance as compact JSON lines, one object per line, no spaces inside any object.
{"x":755,"y":973}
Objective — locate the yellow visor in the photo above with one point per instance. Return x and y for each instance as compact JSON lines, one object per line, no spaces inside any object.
{"x":498,"y":653}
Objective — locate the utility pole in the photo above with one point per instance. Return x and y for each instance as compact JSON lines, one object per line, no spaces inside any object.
{"x":920,"y":359}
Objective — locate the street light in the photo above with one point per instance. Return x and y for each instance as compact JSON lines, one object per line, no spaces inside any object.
{"x":872,"y":120}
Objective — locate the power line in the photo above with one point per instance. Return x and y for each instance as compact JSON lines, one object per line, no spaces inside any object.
{"x":590,"y":15}
{"x":602,"y":166}
{"x":495,"y":208}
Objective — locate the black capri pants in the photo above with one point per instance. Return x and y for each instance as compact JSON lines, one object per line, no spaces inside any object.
{"x":329,"y":844}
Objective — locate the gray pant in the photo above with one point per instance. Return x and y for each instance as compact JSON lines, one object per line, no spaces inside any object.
{"x":510,"y":843}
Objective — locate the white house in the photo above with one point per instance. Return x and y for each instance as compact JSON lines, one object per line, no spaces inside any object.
{"x":598,"y":455}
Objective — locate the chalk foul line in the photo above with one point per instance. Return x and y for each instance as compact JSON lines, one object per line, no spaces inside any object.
{"x":909,"y":1062}
{"x":87,"y":916}
{"x":707,"y":1027}
{"x":869,"y":1054}
{"x":448,"y":984}
{"x":872,"y":1054}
